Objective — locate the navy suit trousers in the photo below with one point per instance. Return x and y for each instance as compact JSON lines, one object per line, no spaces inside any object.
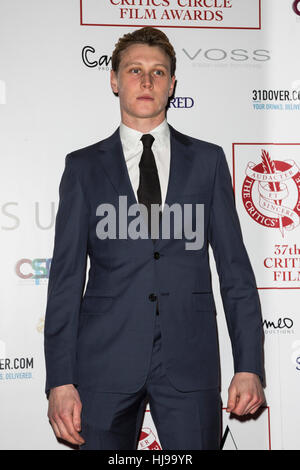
{"x":184,"y":420}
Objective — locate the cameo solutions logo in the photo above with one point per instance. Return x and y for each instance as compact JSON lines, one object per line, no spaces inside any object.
{"x":271,"y":193}
{"x":185,"y":217}
{"x":282,"y":325}
{"x":93,"y":59}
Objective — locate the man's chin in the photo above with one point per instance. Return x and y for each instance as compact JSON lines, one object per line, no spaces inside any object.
{"x":146,"y":114}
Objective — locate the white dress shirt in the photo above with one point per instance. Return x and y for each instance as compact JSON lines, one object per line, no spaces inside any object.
{"x":133,"y":149}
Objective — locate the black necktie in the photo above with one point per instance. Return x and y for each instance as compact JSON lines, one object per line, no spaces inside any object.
{"x":149,"y":188}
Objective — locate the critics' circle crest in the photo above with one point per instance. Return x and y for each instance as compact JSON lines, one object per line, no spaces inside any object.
{"x":271,"y":193}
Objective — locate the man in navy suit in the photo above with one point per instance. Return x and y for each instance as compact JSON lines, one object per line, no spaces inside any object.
{"x":145,"y":327}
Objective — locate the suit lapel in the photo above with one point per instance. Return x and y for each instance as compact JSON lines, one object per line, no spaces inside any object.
{"x":114,"y":164}
{"x":180,"y":165}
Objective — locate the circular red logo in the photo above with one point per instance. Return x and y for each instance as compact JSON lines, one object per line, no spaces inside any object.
{"x":147,"y":440}
{"x":271,"y":193}
{"x":296,"y":7}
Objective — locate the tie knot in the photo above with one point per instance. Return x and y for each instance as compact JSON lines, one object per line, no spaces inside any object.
{"x":147,"y":140}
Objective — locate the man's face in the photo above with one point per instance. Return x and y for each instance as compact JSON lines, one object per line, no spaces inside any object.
{"x":143,"y":82}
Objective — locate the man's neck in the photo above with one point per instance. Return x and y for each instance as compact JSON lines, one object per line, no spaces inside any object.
{"x":143,"y":125}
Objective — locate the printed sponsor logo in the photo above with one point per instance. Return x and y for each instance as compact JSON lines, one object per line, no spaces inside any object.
{"x":218,"y":57}
{"x":34,"y":270}
{"x":91,"y":59}
{"x":181,"y":102}
{"x":282,"y":325}
{"x":277,"y":100}
{"x":18,"y":368}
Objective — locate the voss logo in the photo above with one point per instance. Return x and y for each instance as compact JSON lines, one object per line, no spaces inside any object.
{"x":216,"y":54}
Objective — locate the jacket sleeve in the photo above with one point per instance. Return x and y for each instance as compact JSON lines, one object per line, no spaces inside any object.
{"x":237,"y":282}
{"x":66,"y":280}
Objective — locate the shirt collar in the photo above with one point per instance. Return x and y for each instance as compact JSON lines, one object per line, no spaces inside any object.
{"x":131,"y":137}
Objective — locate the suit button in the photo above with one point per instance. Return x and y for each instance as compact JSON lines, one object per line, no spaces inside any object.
{"x":156,"y":255}
{"x":152,"y":297}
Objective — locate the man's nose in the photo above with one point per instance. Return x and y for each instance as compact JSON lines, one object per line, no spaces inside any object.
{"x":147,"y":80}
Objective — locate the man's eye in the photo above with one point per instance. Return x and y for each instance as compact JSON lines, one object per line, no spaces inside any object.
{"x":159,"y":72}
{"x":134,"y":70}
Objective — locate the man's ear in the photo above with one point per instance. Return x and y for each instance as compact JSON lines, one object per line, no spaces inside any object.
{"x":113,"y":81}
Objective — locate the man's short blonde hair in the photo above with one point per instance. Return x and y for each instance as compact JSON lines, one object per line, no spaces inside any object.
{"x":148,"y":35}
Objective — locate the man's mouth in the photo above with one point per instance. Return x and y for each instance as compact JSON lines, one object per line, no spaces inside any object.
{"x":145,"y":97}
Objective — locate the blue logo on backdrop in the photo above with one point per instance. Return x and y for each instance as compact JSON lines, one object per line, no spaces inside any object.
{"x":181,"y":102}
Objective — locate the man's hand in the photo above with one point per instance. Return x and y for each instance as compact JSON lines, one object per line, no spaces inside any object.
{"x":64,"y":413}
{"x":245,"y":394}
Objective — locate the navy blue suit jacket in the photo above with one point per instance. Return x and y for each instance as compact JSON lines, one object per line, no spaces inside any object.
{"x":101,"y":339}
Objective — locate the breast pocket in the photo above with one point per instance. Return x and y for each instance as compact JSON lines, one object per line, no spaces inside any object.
{"x":203,"y":301}
{"x":95,"y":304}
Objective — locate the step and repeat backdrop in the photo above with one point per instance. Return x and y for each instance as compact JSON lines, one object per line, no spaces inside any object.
{"x":238,"y":85}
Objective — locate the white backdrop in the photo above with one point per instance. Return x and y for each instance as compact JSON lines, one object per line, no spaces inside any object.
{"x":238,"y":83}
